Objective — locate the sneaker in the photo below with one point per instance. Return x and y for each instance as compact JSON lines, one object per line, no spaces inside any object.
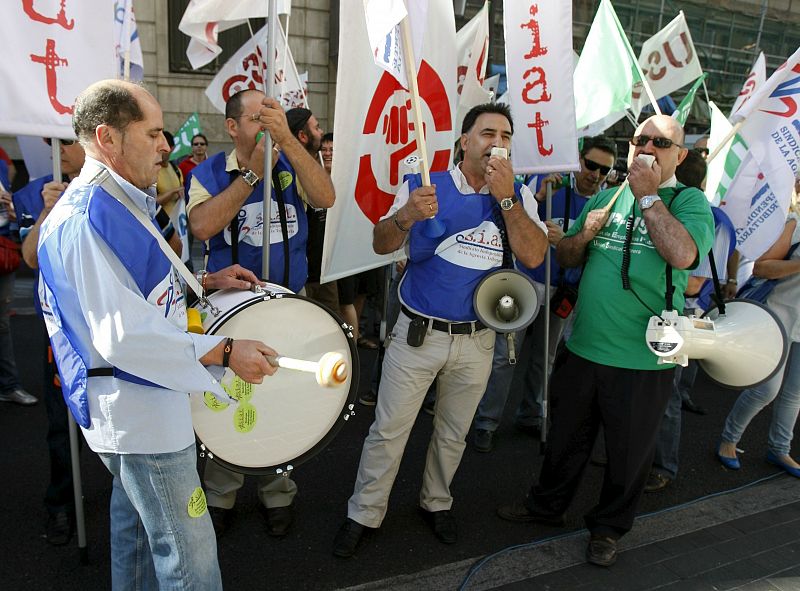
{"x":443,"y":525}
{"x":368,"y":398}
{"x":656,"y":482}
{"x":19,"y":396}
{"x":347,"y":538}
{"x":601,"y":551}
{"x":278,"y":520}
{"x":483,"y":440}
{"x":220,"y":519}
{"x":58,"y":529}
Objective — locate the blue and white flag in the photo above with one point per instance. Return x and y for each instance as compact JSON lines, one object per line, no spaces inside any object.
{"x":128,"y":44}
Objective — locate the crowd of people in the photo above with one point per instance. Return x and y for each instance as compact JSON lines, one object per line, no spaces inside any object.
{"x":611,"y":256}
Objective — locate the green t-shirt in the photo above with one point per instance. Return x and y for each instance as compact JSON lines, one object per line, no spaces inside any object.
{"x":610,"y":322}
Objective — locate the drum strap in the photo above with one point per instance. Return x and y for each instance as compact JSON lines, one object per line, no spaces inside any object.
{"x":276,"y":184}
{"x":235,"y":228}
{"x":107,"y":182}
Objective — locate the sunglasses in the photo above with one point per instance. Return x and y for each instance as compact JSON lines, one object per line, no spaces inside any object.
{"x":592,"y":165}
{"x":658,"y":142}
{"x":199,"y":144}
{"x":49,"y":142}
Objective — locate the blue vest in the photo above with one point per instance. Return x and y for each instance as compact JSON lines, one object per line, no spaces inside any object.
{"x":212,"y":175}
{"x":576,"y":202}
{"x":442,"y":273}
{"x":139,"y":253}
{"x":28,"y":204}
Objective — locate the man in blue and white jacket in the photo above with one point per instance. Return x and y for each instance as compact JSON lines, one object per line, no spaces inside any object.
{"x":116,"y":315}
{"x":485,"y":215}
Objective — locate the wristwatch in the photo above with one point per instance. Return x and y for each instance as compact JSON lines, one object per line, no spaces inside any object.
{"x":250,"y":177}
{"x":508,"y":202}
{"x":647,"y":201}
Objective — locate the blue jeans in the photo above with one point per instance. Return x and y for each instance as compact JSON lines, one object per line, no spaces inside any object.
{"x":784,"y":388}
{"x":155,"y":543}
{"x":669,"y":434}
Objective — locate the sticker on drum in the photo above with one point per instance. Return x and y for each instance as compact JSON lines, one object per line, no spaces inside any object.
{"x":288,"y":418}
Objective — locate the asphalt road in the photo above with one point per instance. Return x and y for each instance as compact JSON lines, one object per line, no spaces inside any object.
{"x":251,"y":560}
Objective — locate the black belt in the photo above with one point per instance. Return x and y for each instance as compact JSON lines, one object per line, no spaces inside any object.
{"x":448,"y":327}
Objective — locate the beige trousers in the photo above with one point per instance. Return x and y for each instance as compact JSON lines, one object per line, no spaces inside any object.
{"x":463,"y":364}
{"x":222,"y":485}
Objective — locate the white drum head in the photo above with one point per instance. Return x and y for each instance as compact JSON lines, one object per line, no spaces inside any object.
{"x":289,"y":417}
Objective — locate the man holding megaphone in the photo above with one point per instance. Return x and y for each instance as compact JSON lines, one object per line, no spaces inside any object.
{"x":608,"y":376}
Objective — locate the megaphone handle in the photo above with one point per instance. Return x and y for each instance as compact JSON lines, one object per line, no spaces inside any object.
{"x":512,"y":352}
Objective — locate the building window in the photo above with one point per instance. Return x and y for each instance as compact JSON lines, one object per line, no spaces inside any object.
{"x":230,"y":41}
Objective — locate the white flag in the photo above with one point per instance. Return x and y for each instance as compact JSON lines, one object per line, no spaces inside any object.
{"x":204,"y":19}
{"x":755,"y":79}
{"x":128,"y":45}
{"x":669,"y":62}
{"x":472,"y":47}
{"x":373,"y":134}
{"x":539,"y":61}
{"x":723,"y":168}
{"x":383,"y":19}
{"x":243,"y":70}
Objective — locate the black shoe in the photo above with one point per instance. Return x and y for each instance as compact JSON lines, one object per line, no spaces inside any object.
{"x":656,"y":482}
{"x":519,"y":513}
{"x":277,"y":520}
{"x":58,"y":529}
{"x":443,"y":525}
{"x":483,"y":440}
{"x":220,"y":519}
{"x":347,"y":538}
{"x":690,"y":406}
{"x":19,"y":396}
{"x":530,"y":430}
{"x":601,"y":551}
{"x":369,"y":398}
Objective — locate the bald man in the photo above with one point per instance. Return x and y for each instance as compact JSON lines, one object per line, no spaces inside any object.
{"x":608,"y":376}
{"x":116,"y":316}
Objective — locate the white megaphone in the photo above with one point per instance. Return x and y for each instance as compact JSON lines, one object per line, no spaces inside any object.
{"x":739,"y":349}
{"x":506,"y":302}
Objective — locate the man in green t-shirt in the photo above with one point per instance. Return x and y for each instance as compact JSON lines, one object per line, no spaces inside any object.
{"x":608,"y":376}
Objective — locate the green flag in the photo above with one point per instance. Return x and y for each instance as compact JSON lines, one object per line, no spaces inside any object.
{"x":183,"y":137}
{"x":607,"y":69}
{"x":682,"y":112}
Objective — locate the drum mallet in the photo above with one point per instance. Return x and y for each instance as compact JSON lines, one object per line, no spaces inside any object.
{"x":331,"y":370}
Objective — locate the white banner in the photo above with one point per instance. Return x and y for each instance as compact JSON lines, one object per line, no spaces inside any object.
{"x":754,"y":80}
{"x":373,"y":134}
{"x":539,"y":71}
{"x":721,"y":170}
{"x":243,"y":70}
{"x":668,"y":60}
{"x":128,"y":41}
{"x":383,"y":19}
{"x":472,"y":47}
{"x":49,"y":56}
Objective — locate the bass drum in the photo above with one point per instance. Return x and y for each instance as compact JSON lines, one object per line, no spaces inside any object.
{"x":288,"y":418}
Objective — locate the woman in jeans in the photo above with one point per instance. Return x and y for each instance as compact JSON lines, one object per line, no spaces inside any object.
{"x":784,"y":386}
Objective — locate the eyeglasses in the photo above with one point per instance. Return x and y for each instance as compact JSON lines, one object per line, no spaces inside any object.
{"x":592,"y":165}
{"x":659,"y":142}
{"x":49,"y":142}
{"x":199,"y":144}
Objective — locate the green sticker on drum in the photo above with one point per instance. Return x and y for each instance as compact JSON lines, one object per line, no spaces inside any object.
{"x":214,"y":403}
{"x":197,"y":503}
{"x":244,"y":419}
{"x":285,"y":178}
{"x":238,"y":389}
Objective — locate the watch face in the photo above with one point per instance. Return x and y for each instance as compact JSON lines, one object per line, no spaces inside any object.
{"x":507,"y":203}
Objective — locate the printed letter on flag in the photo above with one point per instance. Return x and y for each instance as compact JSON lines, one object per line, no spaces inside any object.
{"x":606,"y":69}
{"x":756,"y":77}
{"x":50,"y":56}
{"x":373,"y":135}
{"x":668,"y":61}
{"x":243,"y":70}
{"x":539,"y":73}
{"x":473,"y":53}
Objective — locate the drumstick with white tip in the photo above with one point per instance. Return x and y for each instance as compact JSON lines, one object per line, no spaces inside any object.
{"x":331,"y":370}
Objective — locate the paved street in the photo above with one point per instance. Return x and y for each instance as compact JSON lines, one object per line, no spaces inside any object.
{"x":687,"y":538}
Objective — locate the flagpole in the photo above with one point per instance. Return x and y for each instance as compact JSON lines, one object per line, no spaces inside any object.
{"x":411,"y":74}
{"x":269,"y":88}
{"x":728,"y":137}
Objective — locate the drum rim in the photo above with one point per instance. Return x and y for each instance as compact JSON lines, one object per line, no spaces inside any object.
{"x":345,"y":412}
